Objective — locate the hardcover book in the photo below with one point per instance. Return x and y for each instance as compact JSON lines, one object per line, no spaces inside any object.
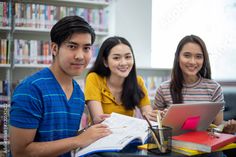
{"x":190,"y":152}
{"x":202,"y":140}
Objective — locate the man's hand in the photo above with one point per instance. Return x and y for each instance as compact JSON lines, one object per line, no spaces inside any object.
{"x":92,"y":134}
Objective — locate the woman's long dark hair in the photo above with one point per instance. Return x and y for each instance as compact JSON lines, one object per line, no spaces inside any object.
{"x":177,"y":78}
{"x":132,"y":92}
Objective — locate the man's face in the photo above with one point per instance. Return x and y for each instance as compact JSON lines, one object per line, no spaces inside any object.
{"x":74,"y":54}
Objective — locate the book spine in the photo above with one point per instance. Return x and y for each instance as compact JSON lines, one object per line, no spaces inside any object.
{"x":221,"y":144}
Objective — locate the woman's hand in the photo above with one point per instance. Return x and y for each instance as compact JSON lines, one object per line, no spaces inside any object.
{"x":98,"y":119}
{"x":153,"y":114}
{"x":230,"y":126}
{"x":163,"y":112}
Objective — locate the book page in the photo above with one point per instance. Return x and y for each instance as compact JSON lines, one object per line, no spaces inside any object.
{"x":121,"y":125}
{"x":124,"y":130}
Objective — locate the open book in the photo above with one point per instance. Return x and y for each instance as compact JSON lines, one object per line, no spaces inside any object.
{"x":124,"y":129}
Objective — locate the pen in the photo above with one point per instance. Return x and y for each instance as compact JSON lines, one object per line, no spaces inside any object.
{"x":83,"y":130}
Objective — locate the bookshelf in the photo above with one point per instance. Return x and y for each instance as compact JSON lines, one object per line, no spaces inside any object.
{"x":25,"y":42}
{"x":5,"y":75}
{"x":153,"y":77}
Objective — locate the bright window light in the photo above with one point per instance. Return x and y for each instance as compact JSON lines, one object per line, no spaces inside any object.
{"x":212,"y":20}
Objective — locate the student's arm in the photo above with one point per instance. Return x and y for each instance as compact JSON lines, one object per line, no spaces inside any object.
{"x":219,"y":118}
{"x":145,"y":103}
{"x":149,"y":112}
{"x":93,"y":95}
{"x":22,"y":144}
{"x":96,"y":111}
{"x":229,"y":126}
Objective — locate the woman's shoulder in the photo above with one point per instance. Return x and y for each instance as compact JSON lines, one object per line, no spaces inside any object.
{"x":94,"y":75}
{"x":210,"y":81}
{"x":165,"y":84}
{"x":140,"y":78}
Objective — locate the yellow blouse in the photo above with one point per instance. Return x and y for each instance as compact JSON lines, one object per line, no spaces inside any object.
{"x":96,"y":89}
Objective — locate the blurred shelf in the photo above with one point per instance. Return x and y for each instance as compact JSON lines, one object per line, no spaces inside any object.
{"x":5,"y":65}
{"x":68,"y":3}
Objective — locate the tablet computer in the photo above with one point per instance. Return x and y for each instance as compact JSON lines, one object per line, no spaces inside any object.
{"x":191,"y":116}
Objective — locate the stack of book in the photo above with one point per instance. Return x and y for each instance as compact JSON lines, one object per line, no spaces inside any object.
{"x":200,"y":142}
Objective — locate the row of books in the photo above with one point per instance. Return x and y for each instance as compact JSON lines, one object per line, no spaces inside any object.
{"x":5,"y":14}
{"x":45,"y":16}
{"x":32,"y":52}
{"x":152,"y":83}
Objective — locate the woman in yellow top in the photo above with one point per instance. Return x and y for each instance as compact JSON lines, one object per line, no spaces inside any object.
{"x":112,"y":84}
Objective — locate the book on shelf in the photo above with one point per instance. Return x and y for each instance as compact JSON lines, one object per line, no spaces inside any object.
{"x":202,"y":140}
{"x":38,"y":52}
{"x":191,"y":152}
{"x":125,"y":130}
{"x":4,"y":51}
{"x":5,"y":14}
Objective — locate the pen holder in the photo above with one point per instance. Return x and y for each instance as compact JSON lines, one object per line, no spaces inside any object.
{"x":159,"y":140}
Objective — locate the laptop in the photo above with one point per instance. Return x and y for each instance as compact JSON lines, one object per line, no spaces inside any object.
{"x":187,"y":117}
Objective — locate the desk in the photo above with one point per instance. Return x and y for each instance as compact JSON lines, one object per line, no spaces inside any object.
{"x":132,"y":151}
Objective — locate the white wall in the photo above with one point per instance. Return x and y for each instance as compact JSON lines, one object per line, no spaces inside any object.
{"x":133,"y":21}
{"x":212,"y":20}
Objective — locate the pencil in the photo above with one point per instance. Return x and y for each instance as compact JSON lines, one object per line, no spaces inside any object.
{"x":160,"y":130}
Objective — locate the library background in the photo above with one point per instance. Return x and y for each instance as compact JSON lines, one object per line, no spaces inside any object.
{"x":24,"y":41}
{"x":24,"y":36}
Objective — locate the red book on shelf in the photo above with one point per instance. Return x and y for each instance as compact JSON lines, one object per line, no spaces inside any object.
{"x":202,"y":140}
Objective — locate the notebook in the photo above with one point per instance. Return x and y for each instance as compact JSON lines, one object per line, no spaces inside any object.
{"x":187,"y":117}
